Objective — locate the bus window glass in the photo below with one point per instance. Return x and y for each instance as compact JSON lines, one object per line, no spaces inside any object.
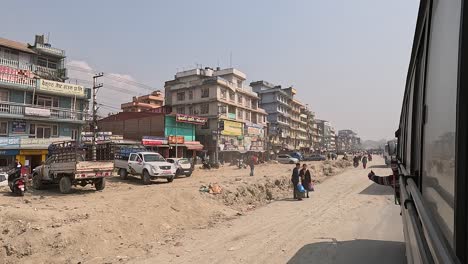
{"x":439,"y":130}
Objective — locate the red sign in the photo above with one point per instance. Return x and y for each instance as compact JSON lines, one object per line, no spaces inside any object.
{"x":191,"y":119}
{"x":176,"y":139}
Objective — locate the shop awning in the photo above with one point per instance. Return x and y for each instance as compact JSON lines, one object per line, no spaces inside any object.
{"x":194,"y":146}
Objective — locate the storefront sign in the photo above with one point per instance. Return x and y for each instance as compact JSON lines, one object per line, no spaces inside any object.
{"x":18,"y":127}
{"x":9,"y":141}
{"x":154,"y":141}
{"x":59,"y":87}
{"x":231,"y":116}
{"x":176,"y":139}
{"x":191,"y":119}
{"x":9,"y":152}
{"x":36,"y":112}
{"x":232,"y":128}
{"x":101,"y":136}
{"x":40,"y":143}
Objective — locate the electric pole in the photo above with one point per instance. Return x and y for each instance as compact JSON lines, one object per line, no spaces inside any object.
{"x":96,"y":87}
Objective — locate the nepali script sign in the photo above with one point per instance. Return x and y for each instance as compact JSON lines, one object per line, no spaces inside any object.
{"x":63,"y":88}
{"x":190,"y":119}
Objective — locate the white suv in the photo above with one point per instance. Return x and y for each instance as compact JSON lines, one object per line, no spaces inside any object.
{"x":285,"y":158}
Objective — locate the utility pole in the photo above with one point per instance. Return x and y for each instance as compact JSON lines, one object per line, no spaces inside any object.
{"x":96,"y":87}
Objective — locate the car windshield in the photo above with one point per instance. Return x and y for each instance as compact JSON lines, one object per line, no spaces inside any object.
{"x":184,"y":161}
{"x":153,"y":157}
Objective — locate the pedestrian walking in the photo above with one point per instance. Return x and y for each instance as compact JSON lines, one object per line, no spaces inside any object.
{"x":364,"y":162}
{"x":295,"y":181}
{"x":253,"y":160}
{"x":328,"y":155}
{"x":306,"y":179}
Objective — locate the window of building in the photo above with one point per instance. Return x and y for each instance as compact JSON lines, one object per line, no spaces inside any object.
{"x":43,"y":132}
{"x":240,"y":99}
{"x":4,"y":96}
{"x":232,"y":96}
{"x":32,"y":130}
{"x":46,"y":101}
{"x":204,"y":108}
{"x":190,"y":110}
{"x":240,"y":114}
{"x":205,"y":92}
{"x":180,"y":110}
{"x":4,"y":128}
{"x":223,"y":93}
{"x":74,"y":134}
{"x":55,"y":131}
{"x":190,"y":95}
{"x":180,"y":96}
{"x":247,"y":115}
{"x":48,"y":63}
{"x":9,"y":54}
{"x":222,"y":109}
{"x":239,"y":83}
{"x":206,"y":125}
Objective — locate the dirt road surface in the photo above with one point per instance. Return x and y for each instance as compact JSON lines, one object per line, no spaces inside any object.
{"x":347,"y":220}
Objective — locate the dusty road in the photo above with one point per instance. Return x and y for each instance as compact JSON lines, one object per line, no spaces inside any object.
{"x":347,"y":220}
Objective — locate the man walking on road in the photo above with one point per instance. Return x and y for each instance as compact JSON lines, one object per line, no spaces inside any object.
{"x":252,"y":161}
{"x":295,"y":181}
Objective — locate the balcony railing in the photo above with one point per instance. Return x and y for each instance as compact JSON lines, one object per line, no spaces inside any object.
{"x":52,"y":113}
{"x":17,"y":79}
{"x":51,"y":50}
{"x":50,"y":73}
{"x":16,"y":64}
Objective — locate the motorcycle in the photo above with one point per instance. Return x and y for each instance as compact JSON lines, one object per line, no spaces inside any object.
{"x":17,"y":182}
{"x":206,"y":165}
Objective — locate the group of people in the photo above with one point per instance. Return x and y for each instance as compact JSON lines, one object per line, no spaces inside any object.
{"x":332,"y":156}
{"x":302,"y":181}
{"x":362,"y":157}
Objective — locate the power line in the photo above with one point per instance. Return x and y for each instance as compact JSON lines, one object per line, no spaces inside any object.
{"x":113,"y":77}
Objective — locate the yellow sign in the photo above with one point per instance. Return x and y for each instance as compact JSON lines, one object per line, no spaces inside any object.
{"x":232,"y":128}
{"x":59,"y":87}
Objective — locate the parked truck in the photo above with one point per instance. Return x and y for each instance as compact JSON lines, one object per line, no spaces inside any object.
{"x":147,"y":165}
{"x":68,"y":164}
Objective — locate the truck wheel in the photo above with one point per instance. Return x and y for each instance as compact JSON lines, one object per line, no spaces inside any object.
{"x":36,"y":182}
{"x":170,"y":179}
{"x":100,"y":184}
{"x":123,"y":174}
{"x":145,"y":177}
{"x":65,"y":184}
{"x":188,"y":175}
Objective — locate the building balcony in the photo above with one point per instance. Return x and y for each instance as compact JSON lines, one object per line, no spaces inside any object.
{"x":51,"y":74}
{"x":17,"y":80}
{"x":34,"y":112}
{"x":50,"y":50}
{"x":16,"y":64}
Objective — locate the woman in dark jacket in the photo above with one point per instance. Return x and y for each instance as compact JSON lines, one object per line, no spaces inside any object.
{"x":306,"y":179}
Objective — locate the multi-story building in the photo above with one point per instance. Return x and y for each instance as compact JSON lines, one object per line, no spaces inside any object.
{"x":347,"y":141}
{"x":144,"y":103}
{"x":277,"y":102}
{"x":291,"y":123}
{"x":326,"y":136}
{"x":219,"y":95}
{"x":36,"y":106}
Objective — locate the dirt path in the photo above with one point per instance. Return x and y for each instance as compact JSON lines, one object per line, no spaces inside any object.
{"x":347,"y":220}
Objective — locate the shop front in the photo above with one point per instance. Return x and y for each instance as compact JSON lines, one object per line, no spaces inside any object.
{"x":231,"y":142}
{"x":33,"y":151}
{"x":9,"y":149}
{"x":180,"y":130}
{"x":156,"y":144}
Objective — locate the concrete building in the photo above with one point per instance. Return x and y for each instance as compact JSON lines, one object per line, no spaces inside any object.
{"x":327,"y":136}
{"x":220,"y":95}
{"x":36,"y":106}
{"x":291,"y":123}
{"x":347,"y":141}
{"x":144,"y":103}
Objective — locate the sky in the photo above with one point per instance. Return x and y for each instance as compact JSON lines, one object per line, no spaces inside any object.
{"x":347,"y":59}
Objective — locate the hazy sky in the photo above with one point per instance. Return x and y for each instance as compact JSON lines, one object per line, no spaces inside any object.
{"x":347,"y":59}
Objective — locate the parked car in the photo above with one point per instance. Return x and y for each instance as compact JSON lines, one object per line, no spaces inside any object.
{"x":147,"y":165}
{"x":285,"y":158}
{"x":183,"y":166}
{"x":315,"y":157}
{"x":297,"y":155}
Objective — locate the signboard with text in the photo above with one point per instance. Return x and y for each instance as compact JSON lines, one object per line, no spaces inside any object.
{"x":30,"y":111}
{"x":176,"y":139}
{"x":18,"y":127}
{"x":191,"y":119}
{"x":154,"y":141}
{"x":232,"y":128}
{"x":63,"y":88}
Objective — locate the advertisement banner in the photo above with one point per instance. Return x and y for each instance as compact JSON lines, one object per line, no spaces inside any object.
{"x":30,"y":111}
{"x":9,"y":152}
{"x":40,"y":143}
{"x":154,"y":141}
{"x":232,"y":128}
{"x":18,"y":127}
{"x":176,"y":139}
{"x":9,"y":141}
{"x":63,"y":88}
{"x":191,"y":119}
